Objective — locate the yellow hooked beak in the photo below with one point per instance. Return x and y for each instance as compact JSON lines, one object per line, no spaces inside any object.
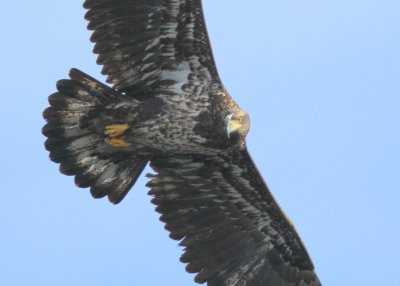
{"x":238,"y":121}
{"x":233,"y":125}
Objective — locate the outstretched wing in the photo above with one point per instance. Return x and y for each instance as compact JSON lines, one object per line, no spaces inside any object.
{"x":233,"y":231}
{"x":152,"y":46}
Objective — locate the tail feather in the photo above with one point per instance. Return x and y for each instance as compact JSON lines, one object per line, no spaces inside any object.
{"x":76,"y":141}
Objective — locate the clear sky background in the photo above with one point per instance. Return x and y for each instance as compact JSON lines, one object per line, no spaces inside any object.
{"x":321,"y":81}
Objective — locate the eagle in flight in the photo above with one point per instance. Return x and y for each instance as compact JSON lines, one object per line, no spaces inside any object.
{"x":167,"y":107}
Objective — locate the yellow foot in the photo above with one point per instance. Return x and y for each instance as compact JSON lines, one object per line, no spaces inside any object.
{"x":115,"y":130}
{"x":117,"y":142}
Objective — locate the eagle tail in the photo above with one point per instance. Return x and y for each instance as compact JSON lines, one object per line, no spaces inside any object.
{"x":75,"y":129}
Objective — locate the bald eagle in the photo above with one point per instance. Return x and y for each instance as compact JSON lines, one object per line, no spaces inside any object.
{"x":167,"y":107}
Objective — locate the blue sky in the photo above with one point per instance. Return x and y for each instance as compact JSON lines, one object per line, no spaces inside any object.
{"x":320,"y":80}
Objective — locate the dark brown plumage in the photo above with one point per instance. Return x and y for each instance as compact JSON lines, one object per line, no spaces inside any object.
{"x":168,"y":107}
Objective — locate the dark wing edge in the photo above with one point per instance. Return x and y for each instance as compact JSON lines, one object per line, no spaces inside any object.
{"x":232,"y":230}
{"x":151,"y":46}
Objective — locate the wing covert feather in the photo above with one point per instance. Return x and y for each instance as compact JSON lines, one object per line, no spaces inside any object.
{"x":233,"y":231}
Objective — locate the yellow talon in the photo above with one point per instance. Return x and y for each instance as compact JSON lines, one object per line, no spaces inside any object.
{"x":115,"y":130}
{"x":117,"y":142}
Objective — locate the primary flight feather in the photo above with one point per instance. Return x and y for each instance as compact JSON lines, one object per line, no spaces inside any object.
{"x":167,"y":106}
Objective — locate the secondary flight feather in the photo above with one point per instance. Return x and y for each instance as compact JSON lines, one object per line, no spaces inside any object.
{"x":168,"y":107}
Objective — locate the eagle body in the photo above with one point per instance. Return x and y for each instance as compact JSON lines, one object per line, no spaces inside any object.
{"x":168,"y":108}
{"x":188,"y":126}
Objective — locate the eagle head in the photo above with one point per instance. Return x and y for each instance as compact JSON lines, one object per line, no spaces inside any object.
{"x":237,"y":125}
